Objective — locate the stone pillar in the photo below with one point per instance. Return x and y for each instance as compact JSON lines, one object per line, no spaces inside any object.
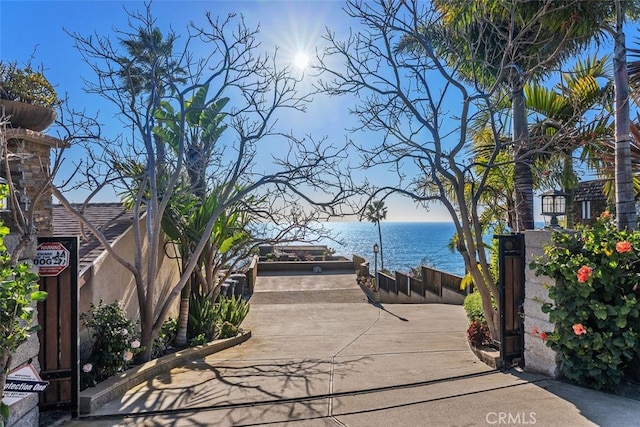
{"x":538,"y":357}
{"x":28,"y":154}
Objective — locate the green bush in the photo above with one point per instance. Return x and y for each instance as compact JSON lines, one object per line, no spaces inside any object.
{"x":595,"y":302}
{"x":114,"y":342}
{"x":165,"y":339}
{"x":232,"y":310}
{"x":473,"y":307}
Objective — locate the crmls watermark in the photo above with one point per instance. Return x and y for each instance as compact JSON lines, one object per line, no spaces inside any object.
{"x":511,"y":418}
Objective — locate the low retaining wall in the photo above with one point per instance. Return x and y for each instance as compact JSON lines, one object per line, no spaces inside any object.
{"x":116,"y":386}
{"x":304,"y":266}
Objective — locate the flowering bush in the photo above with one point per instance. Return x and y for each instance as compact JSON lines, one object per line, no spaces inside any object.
{"x":595,"y":302}
{"x":26,"y":85}
{"x":114,"y":345}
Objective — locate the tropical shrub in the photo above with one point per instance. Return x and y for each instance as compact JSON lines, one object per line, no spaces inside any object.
{"x":595,"y":302}
{"x":114,"y":342}
{"x":230,"y":312}
{"x":202,"y":318}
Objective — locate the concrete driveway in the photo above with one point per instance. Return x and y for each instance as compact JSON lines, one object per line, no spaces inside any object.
{"x":321,"y":355}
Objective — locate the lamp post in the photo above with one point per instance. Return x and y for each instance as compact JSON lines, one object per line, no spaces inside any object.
{"x":376,"y":249}
{"x":554,"y":204}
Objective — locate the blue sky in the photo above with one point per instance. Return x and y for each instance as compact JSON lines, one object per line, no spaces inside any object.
{"x":37,"y":28}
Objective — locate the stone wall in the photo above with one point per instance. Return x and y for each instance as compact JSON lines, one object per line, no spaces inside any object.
{"x":538,"y":357}
{"x":29,"y":153}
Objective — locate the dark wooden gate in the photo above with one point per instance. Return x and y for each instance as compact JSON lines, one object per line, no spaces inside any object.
{"x":59,"y":347}
{"x":511,"y":286}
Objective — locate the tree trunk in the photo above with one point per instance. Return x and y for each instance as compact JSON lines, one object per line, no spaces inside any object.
{"x":183,"y":317}
{"x":380,"y":238}
{"x":569,"y":189}
{"x":523,"y":181}
{"x":626,"y":215}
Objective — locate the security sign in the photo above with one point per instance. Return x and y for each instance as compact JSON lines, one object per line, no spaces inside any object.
{"x":21,"y":382}
{"x":51,"y":258}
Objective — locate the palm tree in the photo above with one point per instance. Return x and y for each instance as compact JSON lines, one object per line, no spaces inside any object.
{"x":574,"y":114}
{"x":513,"y":42}
{"x":376,"y":212}
{"x":626,"y":216}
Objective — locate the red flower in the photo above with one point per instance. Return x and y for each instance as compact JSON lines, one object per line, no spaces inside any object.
{"x":623,"y":247}
{"x":534,"y":331}
{"x":578,"y":329}
{"x":543,"y":336}
{"x":584,"y":273}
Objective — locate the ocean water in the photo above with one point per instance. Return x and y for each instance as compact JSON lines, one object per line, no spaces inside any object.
{"x":405,"y":244}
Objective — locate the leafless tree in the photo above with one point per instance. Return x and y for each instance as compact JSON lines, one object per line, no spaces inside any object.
{"x":260,"y":94}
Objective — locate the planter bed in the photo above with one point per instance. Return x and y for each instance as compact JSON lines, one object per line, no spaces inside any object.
{"x":116,"y":386}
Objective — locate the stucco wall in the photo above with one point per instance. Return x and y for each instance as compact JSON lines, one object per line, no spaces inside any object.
{"x":538,"y":357}
{"x":108,"y":280}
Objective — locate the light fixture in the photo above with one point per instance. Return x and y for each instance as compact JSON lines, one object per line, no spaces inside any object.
{"x":554,"y":204}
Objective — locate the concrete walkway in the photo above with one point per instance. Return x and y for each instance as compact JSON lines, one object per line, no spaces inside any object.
{"x":321,"y":355}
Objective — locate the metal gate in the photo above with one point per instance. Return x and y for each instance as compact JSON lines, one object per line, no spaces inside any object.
{"x":58,"y":318}
{"x":511,"y":286}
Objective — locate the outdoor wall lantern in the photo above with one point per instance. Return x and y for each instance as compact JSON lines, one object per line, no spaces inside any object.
{"x":554,"y":204}
{"x":4,"y":201}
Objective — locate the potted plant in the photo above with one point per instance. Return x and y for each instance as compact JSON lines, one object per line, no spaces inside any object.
{"x":27,"y":97}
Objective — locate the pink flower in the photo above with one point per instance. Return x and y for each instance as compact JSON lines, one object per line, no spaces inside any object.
{"x":534,"y":331}
{"x":543,"y":336}
{"x":87,"y":367}
{"x":578,"y":329}
{"x":127,"y":356}
{"x":584,"y":273}
{"x":623,"y":247}
{"x":135,"y":344}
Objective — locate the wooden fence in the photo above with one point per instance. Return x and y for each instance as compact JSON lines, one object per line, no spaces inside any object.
{"x":437,"y":287}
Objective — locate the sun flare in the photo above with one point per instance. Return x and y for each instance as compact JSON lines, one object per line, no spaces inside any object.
{"x":301,"y":60}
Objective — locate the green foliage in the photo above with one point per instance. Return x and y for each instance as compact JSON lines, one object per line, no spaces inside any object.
{"x":473,"y":307}
{"x":232,"y":310}
{"x":18,"y":293}
{"x":208,"y":320}
{"x":202,"y":318}
{"x":167,"y":335}
{"x":114,"y":342}
{"x":26,"y":85}
{"x":595,"y":302}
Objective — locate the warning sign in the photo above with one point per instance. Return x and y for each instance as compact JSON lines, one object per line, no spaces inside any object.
{"x":20,"y":383}
{"x":51,"y":258}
